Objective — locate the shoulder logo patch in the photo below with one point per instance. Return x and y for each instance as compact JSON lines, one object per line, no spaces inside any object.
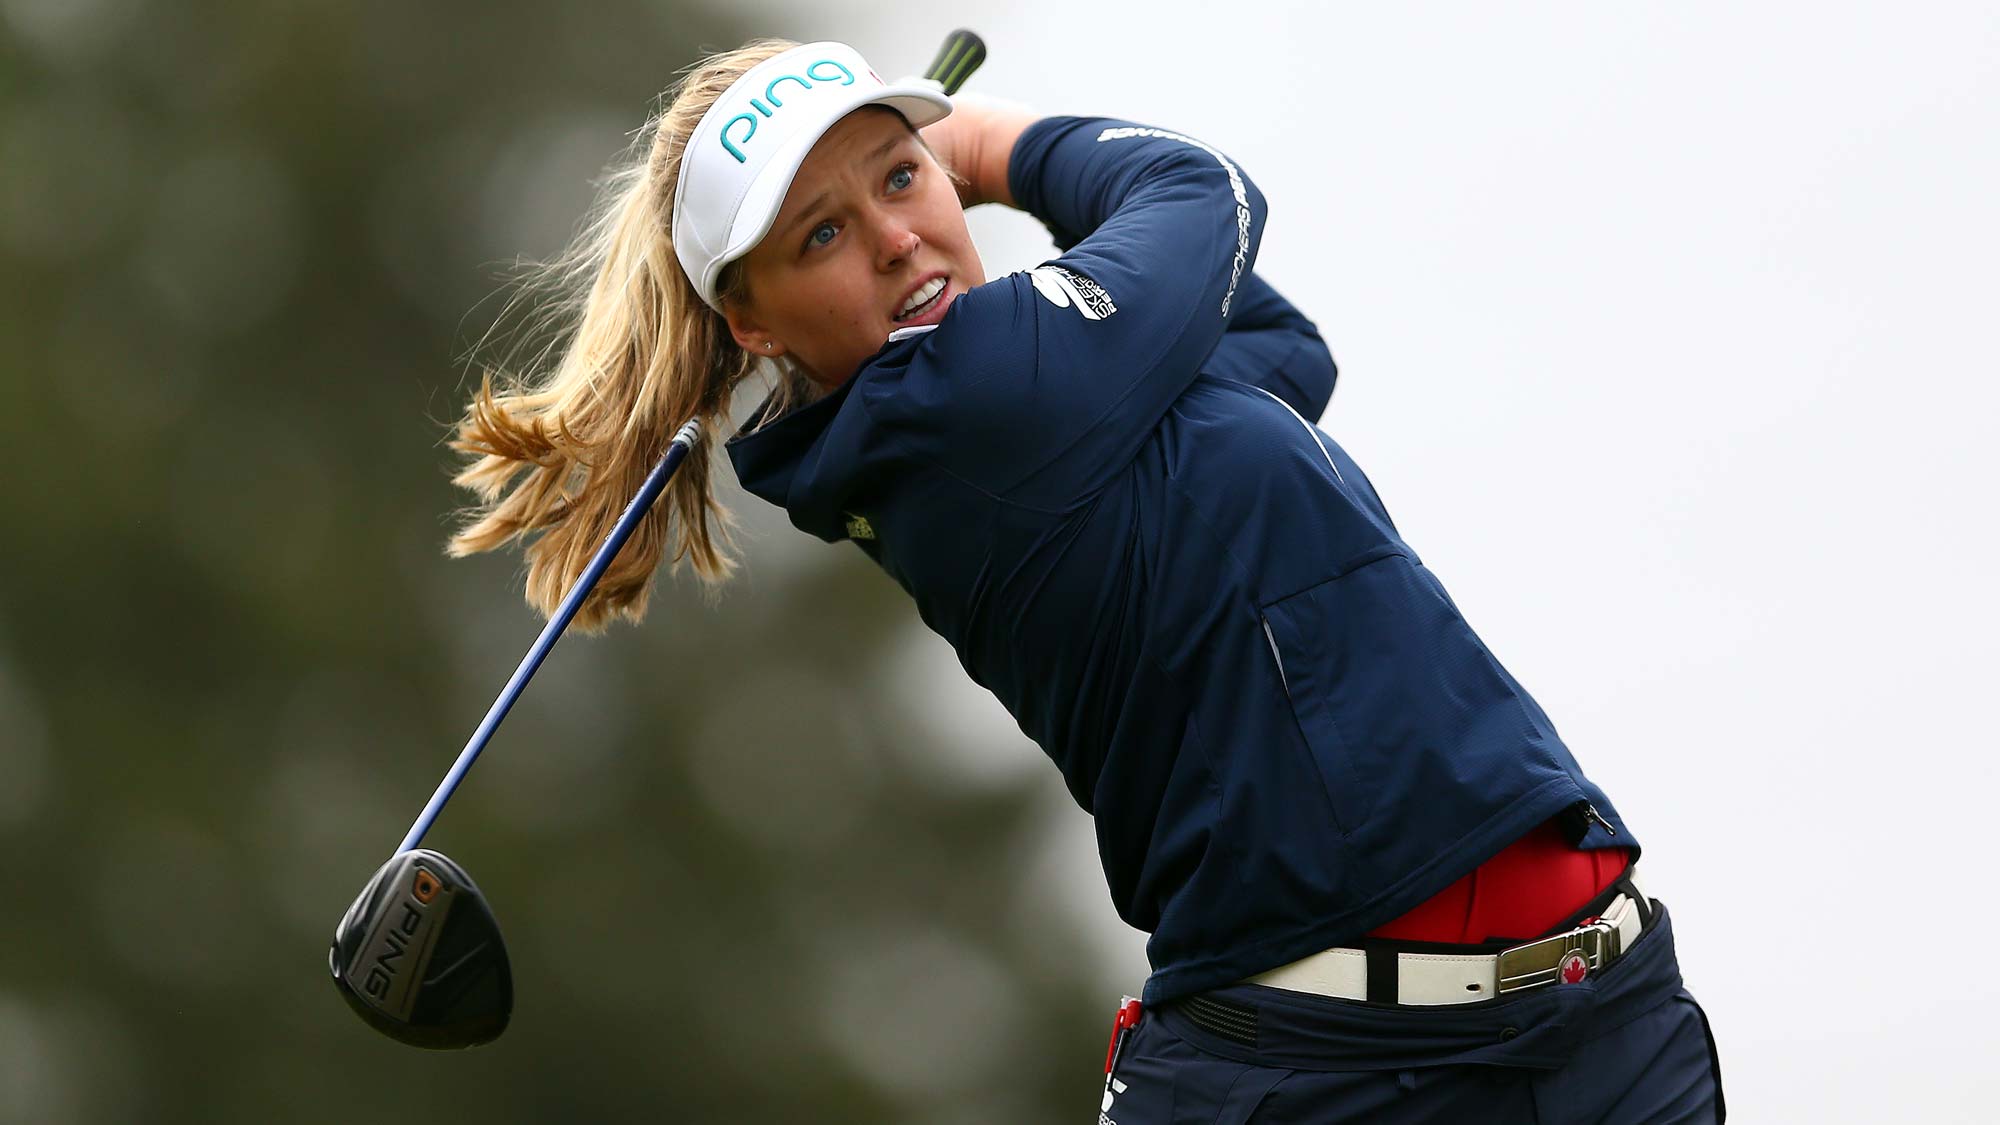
{"x":858,"y":527}
{"x":1066,"y":289}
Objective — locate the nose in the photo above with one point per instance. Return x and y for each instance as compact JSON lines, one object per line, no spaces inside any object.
{"x":895,"y":243}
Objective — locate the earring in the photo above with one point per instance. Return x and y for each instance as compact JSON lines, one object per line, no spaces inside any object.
{"x":768,"y":345}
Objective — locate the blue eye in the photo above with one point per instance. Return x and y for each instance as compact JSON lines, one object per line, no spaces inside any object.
{"x":902,"y":177}
{"x":821,"y":235}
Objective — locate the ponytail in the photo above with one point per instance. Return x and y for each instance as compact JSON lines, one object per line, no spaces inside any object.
{"x":556,"y":454}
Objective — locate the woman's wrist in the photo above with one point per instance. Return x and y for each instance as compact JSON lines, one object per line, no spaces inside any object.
{"x":977,"y":142}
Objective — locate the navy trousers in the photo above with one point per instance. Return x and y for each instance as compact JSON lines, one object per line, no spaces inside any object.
{"x":1625,"y":1046}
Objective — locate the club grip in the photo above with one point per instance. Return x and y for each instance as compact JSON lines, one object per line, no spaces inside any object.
{"x":961,"y":54}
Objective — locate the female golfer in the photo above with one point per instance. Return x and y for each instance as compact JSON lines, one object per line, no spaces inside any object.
{"x":1379,"y":887}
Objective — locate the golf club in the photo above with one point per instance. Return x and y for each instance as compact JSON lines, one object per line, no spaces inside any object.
{"x":418,"y":955}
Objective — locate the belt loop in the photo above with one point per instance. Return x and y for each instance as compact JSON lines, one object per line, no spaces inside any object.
{"x":1384,"y":981}
{"x":1624,"y":883}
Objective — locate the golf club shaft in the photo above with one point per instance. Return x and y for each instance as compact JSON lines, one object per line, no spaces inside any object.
{"x":656,"y":482}
{"x":961,"y":54}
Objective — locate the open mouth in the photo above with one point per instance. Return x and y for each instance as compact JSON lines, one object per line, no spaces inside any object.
{"x":924,"y":300}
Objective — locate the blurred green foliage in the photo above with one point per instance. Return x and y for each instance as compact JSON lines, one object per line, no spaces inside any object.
{"x":244,"y":248}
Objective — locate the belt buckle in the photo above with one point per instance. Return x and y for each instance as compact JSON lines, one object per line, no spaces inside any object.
{"x":1565,"y":958}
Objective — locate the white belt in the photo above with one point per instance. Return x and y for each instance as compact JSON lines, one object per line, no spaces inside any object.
{"x":1448,"y":978}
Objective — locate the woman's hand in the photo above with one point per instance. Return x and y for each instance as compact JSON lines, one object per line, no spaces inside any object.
{"x":976,"y":141}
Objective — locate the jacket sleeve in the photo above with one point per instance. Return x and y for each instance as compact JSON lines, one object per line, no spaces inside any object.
{"x":1038,"y":385}
{"x":1270,"y":344}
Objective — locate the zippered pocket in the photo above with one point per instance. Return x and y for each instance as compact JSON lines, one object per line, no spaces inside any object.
{"x":1276,"y":656}
{"x":1403,"y":711}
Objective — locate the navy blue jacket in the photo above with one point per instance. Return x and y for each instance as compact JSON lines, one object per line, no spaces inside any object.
{"x":1098,"y":482}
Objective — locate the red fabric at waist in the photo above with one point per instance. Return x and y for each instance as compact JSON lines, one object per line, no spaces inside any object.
{"x":1531,"y":887}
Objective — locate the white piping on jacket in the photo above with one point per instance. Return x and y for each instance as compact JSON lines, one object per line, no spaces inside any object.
{"x":1314,"y":431}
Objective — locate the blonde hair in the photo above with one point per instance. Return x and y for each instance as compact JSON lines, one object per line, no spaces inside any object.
{"x":557,"y":454}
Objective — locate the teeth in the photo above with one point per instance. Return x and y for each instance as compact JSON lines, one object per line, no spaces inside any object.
{"x":922,"y":296}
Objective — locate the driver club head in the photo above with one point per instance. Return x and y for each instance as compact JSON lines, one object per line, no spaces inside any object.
{"x":419,"y":956}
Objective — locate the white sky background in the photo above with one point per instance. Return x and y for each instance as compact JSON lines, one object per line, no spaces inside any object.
{"x":1665,"y":336}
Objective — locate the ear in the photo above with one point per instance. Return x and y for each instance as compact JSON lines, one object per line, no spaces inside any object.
{"x":750,"y":333}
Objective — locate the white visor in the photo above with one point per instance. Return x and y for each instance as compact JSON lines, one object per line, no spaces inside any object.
{"x":741,"y":158}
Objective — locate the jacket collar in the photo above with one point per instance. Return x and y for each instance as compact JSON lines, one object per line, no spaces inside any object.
{"x":811,"y":459}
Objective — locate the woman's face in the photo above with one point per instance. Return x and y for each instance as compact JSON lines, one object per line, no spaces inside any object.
{"x":869,"y":228}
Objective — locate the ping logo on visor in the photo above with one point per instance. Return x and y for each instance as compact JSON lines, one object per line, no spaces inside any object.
{"x":825,"y":70}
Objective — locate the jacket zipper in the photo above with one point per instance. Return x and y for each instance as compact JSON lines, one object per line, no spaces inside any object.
{"x":1590,"y":813}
